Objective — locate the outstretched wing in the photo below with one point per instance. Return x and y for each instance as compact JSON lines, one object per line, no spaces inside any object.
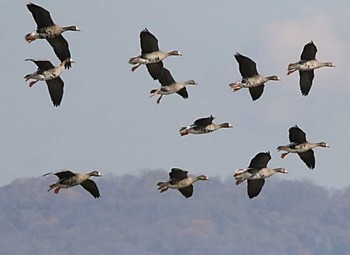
{"x":187,"y":191}
{"x":41,"y":16}
{"x":256,"y":92}
{"x":305,"y":82}
{"x":183,"y":93}
{"x":61,"y":48}
{"x":148,"y":41}
{"x":55,"y":87}
{"x":178,"y":174}
{"x":254,"y":187}
{"x":247,"y":67}
{"x":155,"y":70}
{"x":260,"y":160}
{"x":309,"y":158}
{"x":203,"y":122}
{"x":62,"y":174}
{"x":91,"y":187}
{"x":309,"y":51}
{"x":296,"y":135}
{"x":42,"y":64}
{"x":166,"y":78}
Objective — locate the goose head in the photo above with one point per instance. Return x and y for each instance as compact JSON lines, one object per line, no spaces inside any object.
{"x":67,"y":61}
{"x":273,"y":78}
{"x":202,"y":178}
{"x":72,"y":28}
{"x":329,"y":64}
{"x":175,"y":53}
{"x":281,"y":170}
{"x":95,"y":173}
{"x":323,"y":144}
{"x":191,"y":82}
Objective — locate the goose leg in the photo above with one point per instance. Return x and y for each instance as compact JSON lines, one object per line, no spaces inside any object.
{"x":57,"y":190}
{"x":135,"y":67}
{"x":158,"y":100}
{"x":164,"y":189}
{"x":284,"y":154}
{"x":291,"y":71}
{"x":32,"y":83}
{"x":235,"y":86}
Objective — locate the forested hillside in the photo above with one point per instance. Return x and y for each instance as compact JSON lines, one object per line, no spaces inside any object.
{"x":131,"y":217}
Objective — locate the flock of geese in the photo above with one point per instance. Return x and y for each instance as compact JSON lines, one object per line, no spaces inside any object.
{"x":153,"y":57}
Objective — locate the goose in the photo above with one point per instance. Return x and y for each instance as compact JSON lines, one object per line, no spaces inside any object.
{"x":306,"y":66}
{"x":47,"y":29}
{"x":300,"y":145}
{"x":250,"y":77}
{"x":256,"y":173}
{"x":68,"y":179}
{"x":151,"y":56}
{"x":51,"y":75}
{"x":179,"y":180}
{"x":203,"y":126}
{"x":170,"y":86}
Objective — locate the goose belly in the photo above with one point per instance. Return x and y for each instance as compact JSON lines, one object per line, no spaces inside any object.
{"x":68,"y":183}
{"x":49,"y":75}
{"x":153,"y":57}
{"x":309,"y":65}
{"x":300,"y":148}
{"x":205,"y":130}
{"x":252,"y":81}
{"x":181,"y":184}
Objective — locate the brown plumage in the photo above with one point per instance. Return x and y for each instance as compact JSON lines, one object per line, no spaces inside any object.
{"x":47,"y":29}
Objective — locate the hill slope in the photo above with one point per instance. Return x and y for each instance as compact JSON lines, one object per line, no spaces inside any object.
{"x":288,"y":217}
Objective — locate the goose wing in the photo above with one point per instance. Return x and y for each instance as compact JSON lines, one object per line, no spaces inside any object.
{"x":91,"y":187}
{"x":260,"y":160}
{"x":309,"y":158}
{"x":42,"y":64}
{"x":63,"y":174}
{"x":296,"y":135}
{"x":155,"y":70}
{"x":187,"y":191}
{"x":256,"y":92}
{"x":305,"y":82}
{"x":41,"y":16}
{"x":203,"y":122}
{"x":254,"y":187}
{"x":55,"y":87}
{"x":183,"y":93}
{"x":309,"y":51}
{"x":166,"y":78}
{"x":148,"y":41}
{"x":178,"y":174}
{"x":61,"y":48}
{"x":247,"y":67}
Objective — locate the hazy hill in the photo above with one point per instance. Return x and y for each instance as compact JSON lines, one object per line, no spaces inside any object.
{"x":131,"y":217}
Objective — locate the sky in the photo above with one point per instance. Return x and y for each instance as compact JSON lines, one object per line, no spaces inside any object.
{"x":107,"y":121}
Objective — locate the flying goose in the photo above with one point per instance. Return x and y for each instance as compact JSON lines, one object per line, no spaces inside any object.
{"x":51,"y":75}
{"x":250,"y":77}
{"x":179,"y":180}
{"x":256,"y":173}
{"x":151,"y":56}
{"x":203,"y":126}
{"x":306,"y":66}
{"x":68,"y":179}
{"x":47,"y":29}
{"x":300,"y":145}
{"x":170,"y":86}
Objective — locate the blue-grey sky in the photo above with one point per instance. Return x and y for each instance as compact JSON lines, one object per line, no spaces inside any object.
{"x":108,"y":122}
